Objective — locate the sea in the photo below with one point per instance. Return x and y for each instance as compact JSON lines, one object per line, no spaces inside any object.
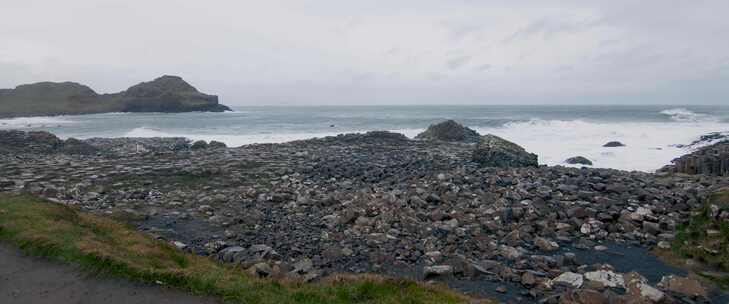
{"x":653,"y":135}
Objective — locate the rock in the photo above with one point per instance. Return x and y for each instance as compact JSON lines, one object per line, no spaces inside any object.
{"x":545,"y":245}
{"x":493,"y":151}
{"x":303,"y":266}
{"x":606,"y":278}
{"x":214,"y":144}
{"x":578,"y":160}
{"x":449,"y":131}
{"x":260,"y":270}
{"x":199,"y":145}
{"x":528,"y":279}
{"x":509,"y":252}
{"x":683,"y":285}
{"x":571,"y":279}
{"x":437,"y":270}
{"x":613,"y":144}
{"x":501,"y":289}
{"x":664,"y":245}
{"x":637,"y":287}
{"x":710,"y":160}
{"x":168,"y":94}
{"x":229,"y":254}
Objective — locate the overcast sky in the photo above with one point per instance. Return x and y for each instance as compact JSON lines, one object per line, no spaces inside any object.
{"x":379,"y":52}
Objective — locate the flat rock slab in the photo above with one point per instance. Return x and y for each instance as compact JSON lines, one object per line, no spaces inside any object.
{"x":30,"y":280}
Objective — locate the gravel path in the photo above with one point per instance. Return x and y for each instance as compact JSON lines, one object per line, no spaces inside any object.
{"x":30,"y":280}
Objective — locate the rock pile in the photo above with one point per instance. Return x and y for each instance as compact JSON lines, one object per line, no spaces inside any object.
{"x":377,"y":202}
{"x":494,"y":151}
{"x":449,"y":131}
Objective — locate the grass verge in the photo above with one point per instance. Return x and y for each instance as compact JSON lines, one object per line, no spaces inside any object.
{"x":705,"y":239}
{"x":105,"y":246}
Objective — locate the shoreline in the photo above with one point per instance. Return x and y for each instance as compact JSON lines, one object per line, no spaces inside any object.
{"x":360,"y":202}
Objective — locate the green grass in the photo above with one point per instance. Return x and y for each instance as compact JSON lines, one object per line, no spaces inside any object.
{"x":692,"y":240}
{"x":105,"y":246}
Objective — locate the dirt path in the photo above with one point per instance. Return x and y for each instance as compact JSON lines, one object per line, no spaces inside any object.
{"x":35,"y":281}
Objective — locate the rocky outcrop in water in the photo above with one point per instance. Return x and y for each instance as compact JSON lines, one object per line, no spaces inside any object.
{"x":613,"y":144}
{"x":169,"y":94}
{"x":578,"y":160}
{"x":494,"y":151}
{"x":711,"y":160}
{"x":449,"y":131}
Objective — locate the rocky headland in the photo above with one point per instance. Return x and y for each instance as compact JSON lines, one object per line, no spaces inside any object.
{"x":481,"y":215}
{"x":169,"y":94}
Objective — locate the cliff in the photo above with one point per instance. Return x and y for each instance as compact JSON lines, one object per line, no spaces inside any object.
{"x":169,"y":94}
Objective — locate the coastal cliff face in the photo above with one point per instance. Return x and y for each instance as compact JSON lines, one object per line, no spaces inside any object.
{"x":169,"y":94}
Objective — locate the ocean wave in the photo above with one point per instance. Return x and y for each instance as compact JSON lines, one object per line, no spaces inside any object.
{"x":686,"y":115}
{"x":33,"y":122}
{"x":649,"y":145}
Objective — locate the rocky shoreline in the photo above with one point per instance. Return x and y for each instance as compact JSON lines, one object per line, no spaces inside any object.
{"x":380,"y":202}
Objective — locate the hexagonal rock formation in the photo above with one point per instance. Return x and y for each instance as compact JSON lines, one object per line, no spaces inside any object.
{"x":450,"y":131}
{"x":494,"y":151}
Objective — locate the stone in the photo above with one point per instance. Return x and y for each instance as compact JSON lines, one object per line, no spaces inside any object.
{"x":578,"y":160}
{"x":613,"y":144}
{"x":494,"y":151}
{"x":303,"y":266}
{"x":260,"y":270}
{"x":683,"y":285}
{"x":437,"y":270}
{"x":199,"y":145}
{"x":214,"y":144}
{"x":449,"y":131}
{"x":545,"y":244}
{"x":606,"y":278}
{"x":509,"y":252}
{"x":571,"y":279}
{"x":637,"y":287}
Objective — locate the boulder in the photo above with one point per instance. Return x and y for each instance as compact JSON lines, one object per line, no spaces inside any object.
{"x":217,"y":145}
{"x":494,"y":151}
{"x":449,"y":131}
{"x":571,"y":279}
{"x":578,"y":160}
{"x":683,"y":285}
{"x":545,"y":244}
{"x":198,"y":145}
{"x":606,"y":278}
{"x":437,"y":270}
{"x":612,"y":144}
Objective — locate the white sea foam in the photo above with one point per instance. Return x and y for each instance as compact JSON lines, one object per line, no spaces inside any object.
{"x":685,"y":115}
{"x":649,"y":146}
{"x":33,"y":122}
{"x":231,"y":140}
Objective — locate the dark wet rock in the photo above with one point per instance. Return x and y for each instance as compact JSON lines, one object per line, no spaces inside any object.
{"x":494,"y":151}
{"x":75,"y":146}
{"x":199,"y":145}
{"x":13,"y":141}
{"x":214,"y":144}
{"x":613,"y":144}
{"x":578,"y":160}
{"x":449,"y":131}
{"x":711,"y":160}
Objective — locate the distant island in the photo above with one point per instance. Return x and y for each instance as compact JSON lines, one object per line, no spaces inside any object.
{"x":167,"y":94}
